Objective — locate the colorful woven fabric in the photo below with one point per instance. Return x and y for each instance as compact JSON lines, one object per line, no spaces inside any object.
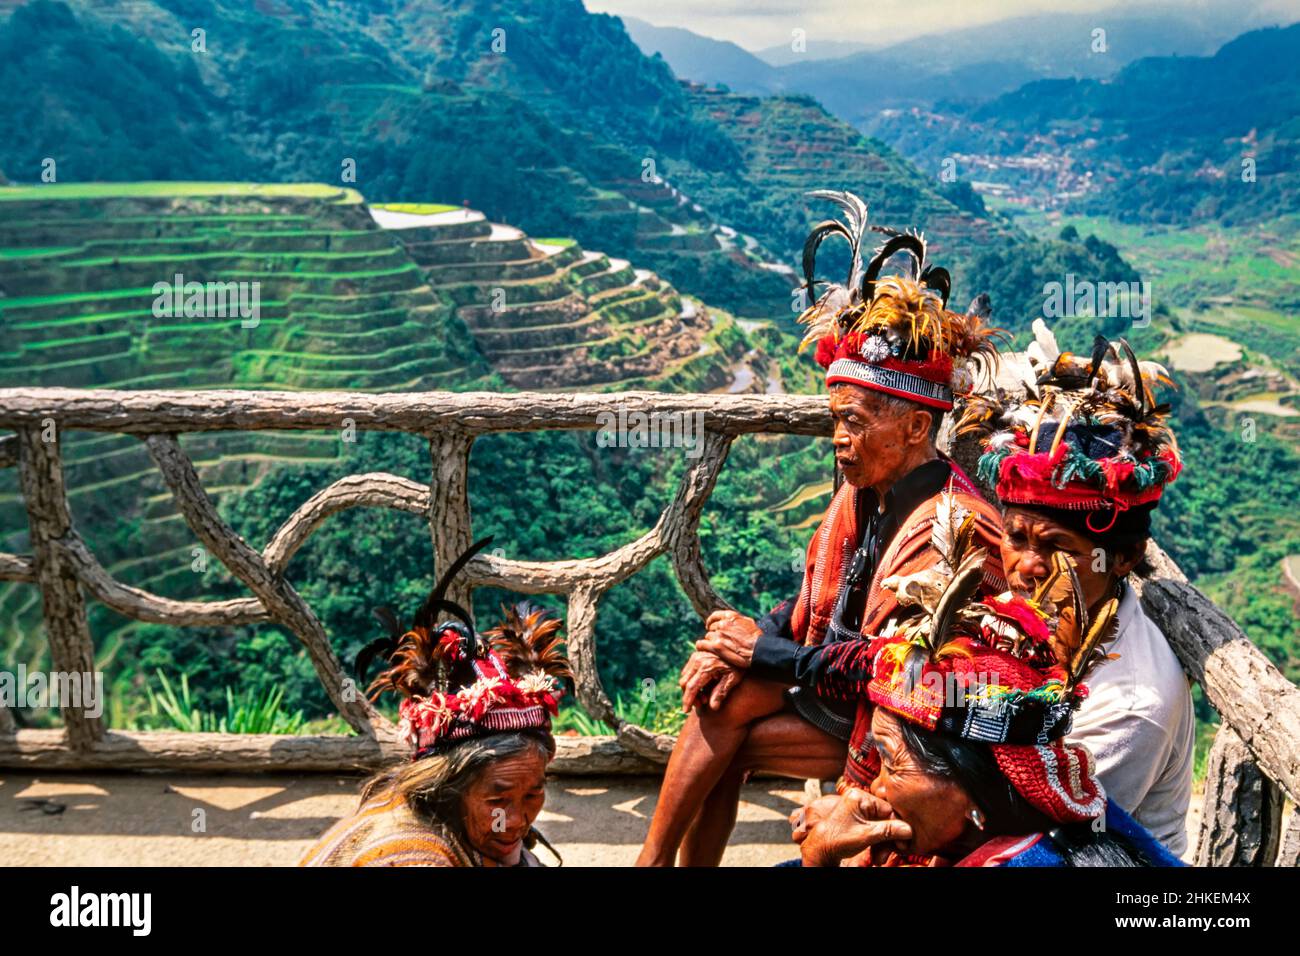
{"x":977,"y":691}
{"x":831,"y":546}
{"x":1038,"y":849}
{"x":1057,"y":779}
{"x":493,"y":702}
{"x":385,"y":832}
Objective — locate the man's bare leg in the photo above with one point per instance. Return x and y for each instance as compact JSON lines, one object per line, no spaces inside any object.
{"x":701,"y":846}
{"x":784,"y":743}
{"x":705,"y":749}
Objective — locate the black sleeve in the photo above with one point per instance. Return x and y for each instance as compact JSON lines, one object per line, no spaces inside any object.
{"x":774,"y":650}
{"x":777,"y":621}
{"x":839,"y":670}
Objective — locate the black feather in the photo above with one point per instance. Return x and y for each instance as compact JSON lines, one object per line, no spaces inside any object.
{"x":937,"y":278}
{"x":434,"y":604}
{"x":810,"y":246}
{"x":425,"y":617}
{"x":855,"y":211}
{"x":1099,"y":347}
{"x":367,"y":654}
{"x":1139,"y":386}
{"x":981,"y":306}
{"x":389,"y":620}
{"x":912,"y":245}
{"x":384,"y":645}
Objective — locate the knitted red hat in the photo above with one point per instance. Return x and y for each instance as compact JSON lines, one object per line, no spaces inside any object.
{"x":893,"y":334}
{"x":1003,"y":671}
{"x":458,"y":684}
{"x":991,"y":696}
{"x":1057,"y":779}
{"x":494,"y":702}
{"x":1086,"y":437}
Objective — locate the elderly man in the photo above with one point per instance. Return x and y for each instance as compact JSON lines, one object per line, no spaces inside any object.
{"x":1085,"y":482}
{"x":779,"y":694}
{"x":1079,"y":465}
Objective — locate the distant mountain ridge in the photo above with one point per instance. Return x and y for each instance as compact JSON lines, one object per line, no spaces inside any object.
{"x":704,"y":59}
{"x":814,"y":48}
{"x":538,"y":113}
{"x":1167,"y":139}
{"x":970,"y":64}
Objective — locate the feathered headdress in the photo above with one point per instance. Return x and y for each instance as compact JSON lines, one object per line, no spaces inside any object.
{"x":529,"y":644}
{"x":1004,"y":670}
{"x":892,"y":334}
{"x":457,"y":684}
{"x":1085,"y":436}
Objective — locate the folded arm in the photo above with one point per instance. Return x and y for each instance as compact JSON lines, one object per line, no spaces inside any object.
{"x":838,"y":670}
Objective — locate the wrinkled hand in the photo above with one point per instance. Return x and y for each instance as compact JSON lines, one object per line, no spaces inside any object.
{"x":810,"y":814}
{"x":730,"y":636}
{"x":703,"y":669}
{"x":858,"y":821}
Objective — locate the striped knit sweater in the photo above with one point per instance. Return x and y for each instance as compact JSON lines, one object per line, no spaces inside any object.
{"x":385,"y":832}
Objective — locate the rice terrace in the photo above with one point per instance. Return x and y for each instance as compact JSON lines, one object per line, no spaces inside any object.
{"x":476,"y":434}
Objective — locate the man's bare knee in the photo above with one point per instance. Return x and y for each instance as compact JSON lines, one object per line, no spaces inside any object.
{"x":783,"y":738}
{"x":750,"y":700}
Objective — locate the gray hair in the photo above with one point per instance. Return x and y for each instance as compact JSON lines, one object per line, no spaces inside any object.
{"x":435,"y":787}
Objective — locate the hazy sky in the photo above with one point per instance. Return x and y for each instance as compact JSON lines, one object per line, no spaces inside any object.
{"x":755,"y":24}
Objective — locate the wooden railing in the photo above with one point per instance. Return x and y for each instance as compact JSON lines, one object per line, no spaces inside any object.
{"x":1254,"y":763}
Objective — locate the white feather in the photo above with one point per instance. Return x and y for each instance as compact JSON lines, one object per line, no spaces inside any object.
{"x":1043,"y":350}
{"x":948,"y":517}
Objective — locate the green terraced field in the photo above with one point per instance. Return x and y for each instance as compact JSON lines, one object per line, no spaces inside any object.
{"x":791,"y":145}
{"x":415,"y":208}
{"x":344,"y":304}
{"x":1250,"y":273}
{"x":551,"y":317}
{"x":169,"y":190}
{"x":1233,"y":293}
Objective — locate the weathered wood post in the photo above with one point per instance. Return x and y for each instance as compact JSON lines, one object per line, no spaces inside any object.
{"x":449,"y":521}
{"x":8,"y":459}
{"x":1252,"y":696}
{"x":40,"y":467}
{"x":1241,"y":823}
{"x":1289,"y":855}
{"x":281,"y":601}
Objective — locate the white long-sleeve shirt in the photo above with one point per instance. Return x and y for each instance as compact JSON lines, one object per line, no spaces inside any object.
{"x":1137,"y":720}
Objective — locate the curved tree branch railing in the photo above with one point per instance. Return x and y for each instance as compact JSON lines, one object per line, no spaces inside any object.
{"x":1259,"y":741}
{"x":62,"y":564}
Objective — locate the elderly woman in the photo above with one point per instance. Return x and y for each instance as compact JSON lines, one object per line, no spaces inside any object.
{"x":477,"y":715}
{"x":971,"y":702}
{"x":1079,"y":466}
{"x":940,"y":800}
